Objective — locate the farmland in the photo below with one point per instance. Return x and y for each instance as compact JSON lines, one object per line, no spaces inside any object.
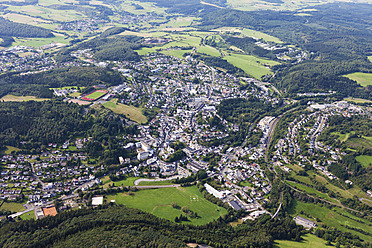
{"x":364,"y":79}
{"x":159,"y":202}
{"x":94,"y":95}
{"x":131,"y":112}
{"x":13,"y":98}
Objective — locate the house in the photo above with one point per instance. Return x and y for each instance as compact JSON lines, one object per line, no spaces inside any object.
{"x":97,"y":200}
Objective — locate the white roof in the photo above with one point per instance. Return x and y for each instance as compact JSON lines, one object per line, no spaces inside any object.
{"x":97,"y":200}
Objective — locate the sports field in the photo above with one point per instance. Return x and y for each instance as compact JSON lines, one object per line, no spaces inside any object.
{"x":364,"y":79}
{"x":159,"y":202}
{"x":133,"y":113}
{"x":94,"y":95}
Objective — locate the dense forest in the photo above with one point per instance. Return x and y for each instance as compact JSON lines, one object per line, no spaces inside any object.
{"x":119,"y":226}
{"x":38,"y":84}
{"x":14,"y":29}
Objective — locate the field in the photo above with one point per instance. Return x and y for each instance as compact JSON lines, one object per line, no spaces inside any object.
{"x":12,"y":206}
{"x":28,"y":216}
{"x":127,"y":182}
{"x":10,"y":149}
{"x":152,"y":183}
{"x":370,"y":58}
{"x":335,"y":217}
{"x":12,"y":98}
{"x":342,"y":136}
{"x":364,"y":160}
{"x":357,"y":100}
{"x":253,"y":66}
{"x":208,"y":50}
{"x":94,"y":95}
{"x":312,"y":191}
{"x":133,"y":113}
{"x":159,"y":202}
{"x":176,"y":53}
{"x":309,"y":241}
{"x":364,"y":79}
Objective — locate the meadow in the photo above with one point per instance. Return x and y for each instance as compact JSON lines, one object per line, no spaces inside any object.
{"x":159,"y":202}
{"x":95,"y":95}
{"x":133,"y":113}
{"x":335,"y":217}
{"x":312,"y":191}
{"x":126,"y":182}
{"x":12,"y":206}
{"x":364,"y":160}
{"x":13,"y":98}
{"x":309,"y":240}
{"x":364,"y":79}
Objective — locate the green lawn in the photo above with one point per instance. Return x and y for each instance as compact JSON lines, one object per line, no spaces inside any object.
{"x":28,"y":216}
{"x":309,"y":241}
{"x":364,"y":79}
{"x":370,"y":58}
{"x":253,"y":66}
{"x":152,"y":183}
{"x":12,"y":206}
{"x":364,"y":160}
{"x":158,"y":202}
{"x":334,"y":219}
{"x":133,"y":113}
{"x":127,"y":182}
{"x":96,"y":95}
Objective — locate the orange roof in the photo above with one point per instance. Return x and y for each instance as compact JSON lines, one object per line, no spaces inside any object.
{"x":50,"y":211}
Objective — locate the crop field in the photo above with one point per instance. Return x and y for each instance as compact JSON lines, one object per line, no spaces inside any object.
{"x":364,"y":160}
{"x":38,"y":42}
{"x":333,"y":217}
{"x":253,"y":66}
{"x":13,"y":98}
{"x":133,"y":113}
{"x":309,"y":241}
{"x":94,"y":95}
{"x":24,"y":19}
{"x":159,"y":202}
{"x":364,"y":79}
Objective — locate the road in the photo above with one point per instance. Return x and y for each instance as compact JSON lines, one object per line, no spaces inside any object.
{"x":280,"y":206}
{"x":157,"y":186}
{"x":138,"y":181}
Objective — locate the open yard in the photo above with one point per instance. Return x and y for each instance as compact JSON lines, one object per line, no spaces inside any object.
{"x":13,"y":98}
{"x":133,"y":113}
{"x":364,"y":160}
{"x":364,"y":79}
{"x":159,"y":202}
{"x":309,"y":241}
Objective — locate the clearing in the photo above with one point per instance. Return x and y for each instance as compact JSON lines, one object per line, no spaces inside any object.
{"x":13,"y":98}
{"x":364,"y":160}
{"x":133,"y":113}
{"x":309,"y":240}
{"x":364,"y":79}
{"x":159,"y":202}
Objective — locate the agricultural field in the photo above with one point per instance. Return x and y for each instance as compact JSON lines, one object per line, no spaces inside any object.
{"x":309,"y":241}
{"x":94,"y":95}
{"x":133,"y":113}
{"x":159,"y":202}
{"x":357,"y":100}
{"x":253,"y":66}
{"x":39,"y":42}
{"x":176,"y":53}
{"x":364,"y":160}
{"x":10,"y":149}
{"x":13,"y":98}
{"x":25,"y":19}
{"x":208,"y":50}
{"x":364,"y":79}
{"x":334,"y":217}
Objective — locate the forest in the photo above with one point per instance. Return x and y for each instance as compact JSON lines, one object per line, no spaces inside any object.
{"x":38,"y":84}
{"x":119,"y":226}
{"x":14,"y":29}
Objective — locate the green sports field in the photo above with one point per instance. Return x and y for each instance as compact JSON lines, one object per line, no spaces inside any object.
{"x":159,"y":202}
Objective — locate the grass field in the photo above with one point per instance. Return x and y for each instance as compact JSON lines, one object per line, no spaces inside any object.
{"x":152,"y":183}
{"x":342,"y":136}
{"x":159,"y":202}
{"x":364,"y":160}
{"x":309,"y":241}
{"x":208,"y":50}
{"x":28,"y":216}
{"x":13,"y":98}
{"x":312,"y":191}
{"x":357,"y":100}
{"x":334,"y":219}
{"x":254,"y":66}
{"x":176,"y":53}
{"x":10,"y":149}
{"x":12,"y":206}
{"x":359,"y":143}
{"x":95,"y":95}
{"x":127,"y":182}
{"x":364,"y":79}
{"x":370,"y":58}
{"x":133,"y":113}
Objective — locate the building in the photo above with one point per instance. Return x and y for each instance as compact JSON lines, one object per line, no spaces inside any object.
{"x":304,"y":222}
{"x":97,"y":200}
{"x":50,"y":211}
